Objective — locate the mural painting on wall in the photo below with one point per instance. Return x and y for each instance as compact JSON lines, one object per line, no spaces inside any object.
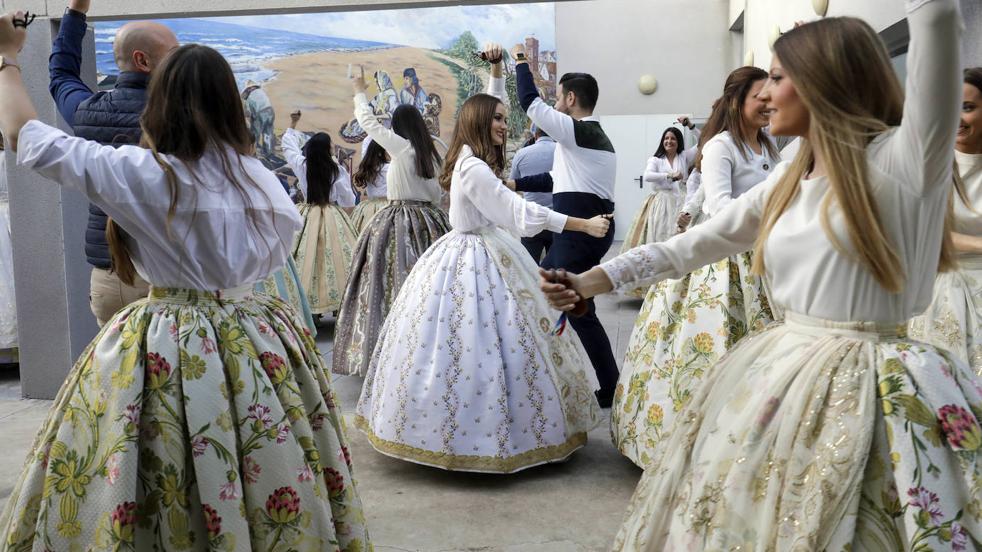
{"x":419,"y":57}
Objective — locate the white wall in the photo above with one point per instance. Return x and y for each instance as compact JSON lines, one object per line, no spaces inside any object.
{"x":684,"y":43}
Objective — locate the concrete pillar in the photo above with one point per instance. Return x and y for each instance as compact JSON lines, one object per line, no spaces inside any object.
{"x":47,"y":227}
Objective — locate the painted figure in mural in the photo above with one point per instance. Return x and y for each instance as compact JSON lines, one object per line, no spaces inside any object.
{"x":260,"y":115}
{"x":387,"y":100}
{"x":412,"y":93}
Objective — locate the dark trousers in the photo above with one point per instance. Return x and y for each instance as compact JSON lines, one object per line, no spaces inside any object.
{"x":578,"y":252}
{"x":538,"y":245}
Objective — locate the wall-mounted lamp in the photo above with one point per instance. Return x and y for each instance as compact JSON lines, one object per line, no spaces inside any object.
{"x":775,"y":34}
{"x":647,"y":84}
{"x":748,"y":59}
{"x":821,"y":7}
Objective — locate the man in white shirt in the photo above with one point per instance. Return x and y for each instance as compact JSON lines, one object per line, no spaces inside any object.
{"x":582,"y":184}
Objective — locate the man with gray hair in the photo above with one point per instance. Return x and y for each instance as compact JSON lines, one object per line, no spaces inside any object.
{"x":111,"y":117}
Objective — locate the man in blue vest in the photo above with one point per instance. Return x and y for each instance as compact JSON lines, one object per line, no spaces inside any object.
{"x":111,"y":117}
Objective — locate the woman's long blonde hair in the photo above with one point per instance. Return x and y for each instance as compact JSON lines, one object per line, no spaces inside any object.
{"x":193,"y":105}
{"x":842,"y":73}
{"x":473,"y":128}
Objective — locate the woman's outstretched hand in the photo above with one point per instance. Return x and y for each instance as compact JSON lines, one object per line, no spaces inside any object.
{"x":358,"y":81}
{"x":559,"y":288}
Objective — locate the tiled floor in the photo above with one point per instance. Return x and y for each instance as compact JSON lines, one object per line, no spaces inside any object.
{"x":576,"y":506}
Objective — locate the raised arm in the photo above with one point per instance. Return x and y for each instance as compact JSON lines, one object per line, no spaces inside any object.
{"x":390,"y":141}
{"x":557,"y":125}
{"x":292,"y":151}
{"x":17,"y":108}
{"x":925,"y":143}
{"x":65,"y":63}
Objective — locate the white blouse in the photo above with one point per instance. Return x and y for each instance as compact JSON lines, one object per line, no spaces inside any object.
{"x":729,"y":170}
{"x":402,"y":181}
{"x":694,"y":194}
{"x":968,"y":221}
{"x":480,"y":200}
{"x":911,"y":179}
{"x":379,"y":187}
{"x":212,"y":242}
{"x":341,"y":193}
{"x":657,"y":170}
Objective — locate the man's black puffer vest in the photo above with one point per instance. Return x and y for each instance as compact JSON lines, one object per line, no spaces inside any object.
{"x":112,"y":118}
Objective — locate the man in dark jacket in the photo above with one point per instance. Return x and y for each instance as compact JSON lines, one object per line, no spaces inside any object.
{"x":112,"y":118}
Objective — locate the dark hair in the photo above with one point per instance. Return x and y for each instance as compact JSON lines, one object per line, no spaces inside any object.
{"x":409,"y":124}
{"x":370,"y":166}
{"x":973,"y":76}
{"x":583,"y":86}
{"x":678,"y":138}
{"x":193,"y":106}
{"x":411,"y":73}
{"x":322,"y":170}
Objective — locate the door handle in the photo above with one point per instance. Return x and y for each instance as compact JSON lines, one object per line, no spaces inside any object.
{"x":640,"y":181}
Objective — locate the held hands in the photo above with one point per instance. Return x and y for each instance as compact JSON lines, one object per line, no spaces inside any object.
{"x":12,"y":37}
{"x":294,"y":118}
{"x":358,"y":82}
{"x":683,"y":222}
{"x":559,"y":288}
{"x":598,"y":226}
{"x":492,"y":53}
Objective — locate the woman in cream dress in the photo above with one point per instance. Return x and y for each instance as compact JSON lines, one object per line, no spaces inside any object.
{"x":954,"y":319}
{"x":468,"y":374}
{"x":324,"y":246}
{"x":665,"y":172}
{"x":686,"y":324}
{"x":831,"y":430}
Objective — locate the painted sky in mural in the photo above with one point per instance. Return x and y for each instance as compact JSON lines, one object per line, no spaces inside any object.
{"x":421,"y":57}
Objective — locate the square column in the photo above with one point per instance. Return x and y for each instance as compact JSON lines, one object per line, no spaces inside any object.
{"x":48,"y":222}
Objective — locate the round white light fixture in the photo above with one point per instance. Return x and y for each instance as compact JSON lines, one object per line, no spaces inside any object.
{"x":748,"y":59}
{"x":821,"y":7}
{"x":647,"y":84}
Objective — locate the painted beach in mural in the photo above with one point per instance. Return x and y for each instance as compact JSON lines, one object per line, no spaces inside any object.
{"x":421,"y":57}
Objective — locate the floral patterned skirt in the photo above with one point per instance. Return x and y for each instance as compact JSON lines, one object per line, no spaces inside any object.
{"x":285,"y":284}
{"x":364,"y":212}
{"x":819,"y":435}
{"x":655,"y":222}
{"x":467,"y":374}
{"x":684,"y":327}
{"x":323,"y":251}
{"x":194,"y":421}
{"x":385,"y":254}
{"x":954,"y":319}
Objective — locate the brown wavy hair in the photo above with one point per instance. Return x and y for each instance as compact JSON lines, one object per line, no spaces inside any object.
{"x":727,"y":114}
{"x":473,"y":128}
{"x":193,"y":106}
{"x":851,"y":99}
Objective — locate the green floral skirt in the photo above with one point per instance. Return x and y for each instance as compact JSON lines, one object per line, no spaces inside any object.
{"x":195,"y":420}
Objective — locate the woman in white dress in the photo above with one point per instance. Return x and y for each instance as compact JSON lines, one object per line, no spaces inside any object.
{"x":370,"y":182}
{"x":686,"y":324}
{"x":954,"y":319}
{"x":395,"y":237}
{"x":468,"y":374}
{"x":325,"y":244}
{"x":666,"y":171}
{"x":8,"y":310}
{"x":201,"y":417}
{"x":830,"y":430}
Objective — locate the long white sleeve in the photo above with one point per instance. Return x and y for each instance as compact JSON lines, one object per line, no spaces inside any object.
{"x":694,"y":194}
{"x":389,"y":140}
{"x":294,"y":156}
{"x":923,"y":145}
{"x":501,"y":205}
{"x":341,"y":193}
{"x":717,"y":175}
{"x":496,"y":88}
{"x":656,"y":175}
{"x":732,"y":231}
